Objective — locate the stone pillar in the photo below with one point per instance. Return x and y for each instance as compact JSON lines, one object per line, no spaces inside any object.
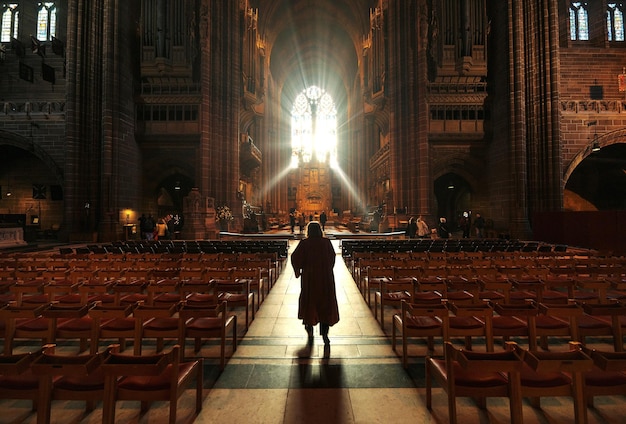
{"x":199,"y":215}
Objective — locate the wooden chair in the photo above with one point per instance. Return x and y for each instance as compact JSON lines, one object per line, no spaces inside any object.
{"x":237,"y":294}
{"x":63,"y":377}
{"x":474,"y":320}
{"x":199,"y":292}
{"x":160,"y":377}
{"x":550,"y":374}
{"x":16,"y":378}
{"x":477,"y":375}
{"x":267,"y":270}
{"x":392,"y":293}
{"x":255,"y":281}
{"x":602,"y":319}
{"x":419,"y":320}
{"x":608,"y":375}
{"x":371,"y":278}
{"x":71,"y":322}
{"x":25,"y":323}
{"x":112,"y":321}
{"x":164,"y":292}
{"x":130,"y":292}
{"x":515,"y":320}
{"x":156,"y":322}
{"x":494,"y":289}
{"x":557,"y":321}
{"x":205,"y":322}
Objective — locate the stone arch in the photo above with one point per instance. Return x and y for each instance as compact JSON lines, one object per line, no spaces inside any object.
{"x":603,"y":140}
{"x":15,"y":140}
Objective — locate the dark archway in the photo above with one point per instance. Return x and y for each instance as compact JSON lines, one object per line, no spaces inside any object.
{"x":453,"y":196}
{"x":170,"y":194}
{"x":599,"y":181}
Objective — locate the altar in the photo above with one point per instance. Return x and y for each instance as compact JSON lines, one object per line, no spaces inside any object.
{"x":11,"y":237}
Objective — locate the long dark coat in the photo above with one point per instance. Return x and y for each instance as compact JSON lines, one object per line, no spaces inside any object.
{"x":314,"y":258}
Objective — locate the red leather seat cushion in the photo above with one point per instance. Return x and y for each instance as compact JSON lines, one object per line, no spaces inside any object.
{"x":471,"y":378}
{"x":397,"y":296}
{"x":159,"y":382}
{"x":233,"y":297}
{"x":550,"y":323}
{"x":531,"y":378}
{"x":508,"y":323}
{"x":37,"y":324}
{"x":94,"y":381}
{"x":422,"y":322}
{"x":599,"y":378}
{"x":466,"y":323}
{"x":205,"y":323}
{"x":119,"y":324}
{"x":25,"y":381}
{"x":591,"y":323}
{"x":162,"y":324}
{"x":77,"y":324}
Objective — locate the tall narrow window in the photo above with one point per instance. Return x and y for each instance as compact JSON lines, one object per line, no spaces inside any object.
{"x":46,"y":21}
{"x":10,"y":14}
{"x":615,"y":21}
{"x":313,"y":127}
{"x":579,"y":20}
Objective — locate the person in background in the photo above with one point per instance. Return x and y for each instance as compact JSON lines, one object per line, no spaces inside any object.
{"x":323,"y":219}
{"x":313,"y":260}
{"x":479,"y":224}
{"x":443,"y":231}
{"x":161,"y":230}
{"x":465,"y":223}
{"x":411,"y":228}
{"x":422,"y":228}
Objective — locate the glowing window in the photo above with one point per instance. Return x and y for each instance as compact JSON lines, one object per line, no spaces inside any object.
{"x":579,"y":21}
{"x":615,"y":21}
{"x":46,"y":21}
{"x":313,"y":127}
{"x":10,"y":20}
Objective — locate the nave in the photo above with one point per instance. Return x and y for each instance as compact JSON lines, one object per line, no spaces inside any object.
{"x":274,"y":378}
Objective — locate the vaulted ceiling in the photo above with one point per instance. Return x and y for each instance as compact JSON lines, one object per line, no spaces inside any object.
{"x":314,"y":42}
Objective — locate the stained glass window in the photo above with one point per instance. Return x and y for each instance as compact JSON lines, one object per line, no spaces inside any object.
{"x":579,"y":21}
{"x":46,"y":21}
{"x":10,"y":14}
{"x":313,"y":127}
{"x":615,"y":21}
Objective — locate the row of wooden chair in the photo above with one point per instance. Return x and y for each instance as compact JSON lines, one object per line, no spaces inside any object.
{"x":123,"y":267}
{"x":530,"y":321}
{"x":44,"y":377}
{"x":515,"y":373}
{"x":435,"y":268}
{"x":350,"y":246}
{"x":509,"y":287}
{"x":182,"y":246}
{"x":91,"y":324}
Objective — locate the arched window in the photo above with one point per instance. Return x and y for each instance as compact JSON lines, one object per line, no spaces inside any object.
{"x":579,"y":21}
{"x":46,"y":21}
{"x":10,"y":13}
{"x":615,"y":21}
{"x":313,"y":127}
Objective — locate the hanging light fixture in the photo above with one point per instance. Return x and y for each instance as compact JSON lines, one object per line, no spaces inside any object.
{"x":595,"y":145}
{"x":8,"y":193}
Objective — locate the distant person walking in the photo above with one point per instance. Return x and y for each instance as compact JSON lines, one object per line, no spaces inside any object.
{"x":443,"y":231}
{"x":479,"y":224}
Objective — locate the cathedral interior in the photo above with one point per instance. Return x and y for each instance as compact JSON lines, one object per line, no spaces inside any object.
{"x":430,"y":108}
{"x":236,"y":116}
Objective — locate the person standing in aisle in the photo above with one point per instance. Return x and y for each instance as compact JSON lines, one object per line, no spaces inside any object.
{"x":313,"y":260}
